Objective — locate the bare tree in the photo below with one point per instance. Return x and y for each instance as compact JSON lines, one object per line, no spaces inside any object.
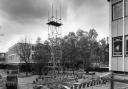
{"x":23,"y":50}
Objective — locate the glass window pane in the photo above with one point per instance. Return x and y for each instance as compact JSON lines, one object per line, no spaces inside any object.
{"x":117,"y":10}
{"x":115,"y":1}
{"x":117,"y":46}
{"x":126,"y":7}
{"x":126,"y":45}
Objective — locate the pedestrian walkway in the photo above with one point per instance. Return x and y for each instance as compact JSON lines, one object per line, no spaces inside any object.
{"x":25,"y":86}
{"x":69,"y":81}
{"x":99,"y":87}
{"x":27,"y":80}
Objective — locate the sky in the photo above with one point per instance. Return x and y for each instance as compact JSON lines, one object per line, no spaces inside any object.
{"x":28,"y":18}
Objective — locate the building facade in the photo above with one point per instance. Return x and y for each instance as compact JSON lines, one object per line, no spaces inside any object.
{"x":13,"y":56}
{"x":118,"y":53}
{"x":37,"y":54}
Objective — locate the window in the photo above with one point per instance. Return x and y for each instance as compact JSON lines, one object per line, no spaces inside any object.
{"x":126,"y":45}
{"x":117,"y":10}
{"x":115,"y":1}
{"x":126,"y":7}
{"x":117,"y":46}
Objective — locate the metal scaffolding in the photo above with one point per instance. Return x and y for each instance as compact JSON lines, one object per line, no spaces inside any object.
{"x":54,"y":36}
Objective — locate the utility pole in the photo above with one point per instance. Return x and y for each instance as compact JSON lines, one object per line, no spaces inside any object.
{"x":111,"y":81}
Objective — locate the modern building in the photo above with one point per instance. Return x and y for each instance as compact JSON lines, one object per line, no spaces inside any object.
{"x":118,"y":53}
{"x":36,"y":53}
{"x":13,"y":56}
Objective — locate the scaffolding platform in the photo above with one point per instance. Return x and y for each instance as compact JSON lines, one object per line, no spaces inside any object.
{"x":54,"y":23}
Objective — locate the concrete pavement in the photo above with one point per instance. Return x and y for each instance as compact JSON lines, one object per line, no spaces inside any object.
{"x":26,"y":82}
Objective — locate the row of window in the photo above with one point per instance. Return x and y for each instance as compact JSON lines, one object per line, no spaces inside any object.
{"x":118,"y":46}
{"x":117,"y":9}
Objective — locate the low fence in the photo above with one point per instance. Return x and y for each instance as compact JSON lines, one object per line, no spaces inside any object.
{"x":89,"y":84}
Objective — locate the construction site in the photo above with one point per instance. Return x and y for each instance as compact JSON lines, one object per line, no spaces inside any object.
{"x":81,"y":73}
{"x":56,"y":79}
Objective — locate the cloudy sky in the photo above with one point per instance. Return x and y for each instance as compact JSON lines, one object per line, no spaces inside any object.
{"x":27,"y":18}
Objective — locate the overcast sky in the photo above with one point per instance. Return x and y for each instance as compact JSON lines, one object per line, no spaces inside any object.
{"x":20,"y":18}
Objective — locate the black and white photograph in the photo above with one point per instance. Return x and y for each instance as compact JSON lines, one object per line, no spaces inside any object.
{"x":63,"y":44}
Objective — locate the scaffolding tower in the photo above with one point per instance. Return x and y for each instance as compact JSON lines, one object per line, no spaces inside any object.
{"x":54,"y":36}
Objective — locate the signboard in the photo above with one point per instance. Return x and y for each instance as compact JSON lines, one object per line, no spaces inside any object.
{"x":117,"y":46}
{"x":126,"y":45}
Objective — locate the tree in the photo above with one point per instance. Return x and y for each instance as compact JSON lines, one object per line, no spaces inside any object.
{"x":92,"y":35}
{"x":23,"y":49}
{"x":64,"y":54}
{"x":40,"y":55}
{"x":104,"y":48}
{"x":69,"y":50}
{"x":38,"y":40}
{"x":87,"y":46}
{"x":84,"y":48}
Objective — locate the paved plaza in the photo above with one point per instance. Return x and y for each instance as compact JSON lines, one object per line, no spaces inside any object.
{"x":27,"y":82}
